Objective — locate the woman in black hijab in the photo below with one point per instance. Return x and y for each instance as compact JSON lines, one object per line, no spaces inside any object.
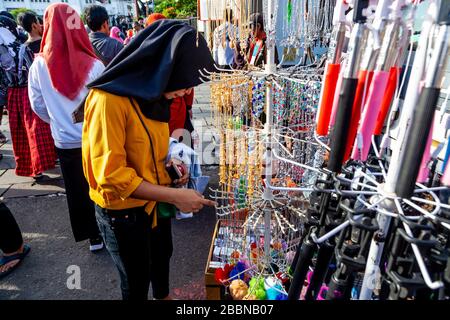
{"x":125,"y":145}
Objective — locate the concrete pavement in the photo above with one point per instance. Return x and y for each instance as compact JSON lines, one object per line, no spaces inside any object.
{"x":41,"y":211}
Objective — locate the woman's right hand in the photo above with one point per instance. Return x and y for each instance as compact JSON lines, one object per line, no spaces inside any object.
{"x":188,"y":200}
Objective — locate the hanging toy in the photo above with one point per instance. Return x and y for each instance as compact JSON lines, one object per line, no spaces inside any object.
{"x":277,"y":245}
{"x":238,"y":272}
{"x":235,"y":254}
{"x":255,"y":254}
{"x":241,"y":193}
{"x":222,"y":274}
{"x":250,"y":297}
{"x":238,"y":289}
{"x":274,"y":290}
{"x":254,"y":251}
{"x":283,"y":277}
{"x":256,"y":288}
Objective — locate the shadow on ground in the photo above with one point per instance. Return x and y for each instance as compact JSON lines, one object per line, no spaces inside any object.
{"x":43,"y":274}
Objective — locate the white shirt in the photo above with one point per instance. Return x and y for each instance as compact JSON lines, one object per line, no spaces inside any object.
{"x":53,"y":107}
{"x":224,"y":55}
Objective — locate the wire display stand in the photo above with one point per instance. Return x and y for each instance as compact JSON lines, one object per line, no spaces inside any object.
{"x":314,"y":213}
{"x":262,"y":231}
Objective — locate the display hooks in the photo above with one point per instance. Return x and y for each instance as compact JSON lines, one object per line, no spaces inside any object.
{"x":337,"y":231}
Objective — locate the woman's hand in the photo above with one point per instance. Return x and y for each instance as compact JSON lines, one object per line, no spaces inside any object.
{"x":188,"y":200}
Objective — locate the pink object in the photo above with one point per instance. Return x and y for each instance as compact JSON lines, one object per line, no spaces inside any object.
{"x":336,"y":95}
{"x":322,"y":293}
{"x":115,"y":34}
{"x":306,"y":285}
{"x":424,"y":170}
{"x":370,"y":114}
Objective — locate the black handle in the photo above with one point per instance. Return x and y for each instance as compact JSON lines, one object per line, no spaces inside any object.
{"x":342,"y":124}
{"x":307,"y":250}
{"x":339,"y":289}
{"x":416,"y":141}
{"x":324,"y":257}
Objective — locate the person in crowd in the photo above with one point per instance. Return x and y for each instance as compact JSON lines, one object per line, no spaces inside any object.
{"x":20,"y":34}
{"x":3,"y":99}
{"x":105,"y":47}
{"x":141,"y":22}
{"x":125,"y":145}
{"x":124,"y":25}
{"x":31,"y":24}
{"x":57,"y":85}
{"x":3,"y":88}
{"x":129,"y":37}
{"x":33,"y":147}
{"x":224,"y":41}
{"x":6,"y":14}
{"x":115,"y":34}
{"x":11,"y":242}
{"x":154,"y":17}
{"x":256,"y":46}
{"x":256,"y":54}
{"x":137,"y":27}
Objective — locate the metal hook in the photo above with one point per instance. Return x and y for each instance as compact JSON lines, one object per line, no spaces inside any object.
{"x":204,"y":75}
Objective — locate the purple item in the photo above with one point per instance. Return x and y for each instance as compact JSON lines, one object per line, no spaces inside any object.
{"x":424,"y":170}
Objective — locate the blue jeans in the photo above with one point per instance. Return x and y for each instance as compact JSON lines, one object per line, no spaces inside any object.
{"x":140,"y":253}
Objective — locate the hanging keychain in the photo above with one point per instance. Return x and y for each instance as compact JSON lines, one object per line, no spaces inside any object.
{"x":332,"y":68}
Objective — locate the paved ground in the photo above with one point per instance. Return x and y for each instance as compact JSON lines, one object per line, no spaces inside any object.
{"x":41,"y":212}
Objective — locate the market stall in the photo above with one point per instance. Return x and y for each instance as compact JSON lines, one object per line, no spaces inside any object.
{"x":332,"y":178}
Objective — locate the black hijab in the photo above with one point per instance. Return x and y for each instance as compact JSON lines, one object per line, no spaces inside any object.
{"x":19,"y":35}
{"x":13,"y":46}
{"x":10,"y":24}
{"x":7,"y":14}
{"x":163,"y":57}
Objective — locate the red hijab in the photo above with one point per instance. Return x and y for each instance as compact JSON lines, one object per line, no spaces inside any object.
{"x":66,"y":49}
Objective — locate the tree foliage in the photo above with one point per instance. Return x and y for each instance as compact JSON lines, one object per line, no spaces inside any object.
{"x":177,"y":8}
{"x":16,"y":12}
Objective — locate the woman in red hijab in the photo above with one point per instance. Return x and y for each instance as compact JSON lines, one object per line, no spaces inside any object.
{"x":56,"y":86}
{"x":180,"y":109}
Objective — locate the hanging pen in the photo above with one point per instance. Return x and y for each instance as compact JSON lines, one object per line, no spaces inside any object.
{"x":309,"y":247}
{"x":348,"y":89}
{"x":411,"y":96}
{"x":332,"y":67}
{"x":366,"y":71}
{"x":385,"y":61}
{"x":422,"y":119}
{"x":395,"y":75}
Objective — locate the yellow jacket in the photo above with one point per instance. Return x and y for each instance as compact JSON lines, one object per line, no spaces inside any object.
{"x":116,"y":151}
